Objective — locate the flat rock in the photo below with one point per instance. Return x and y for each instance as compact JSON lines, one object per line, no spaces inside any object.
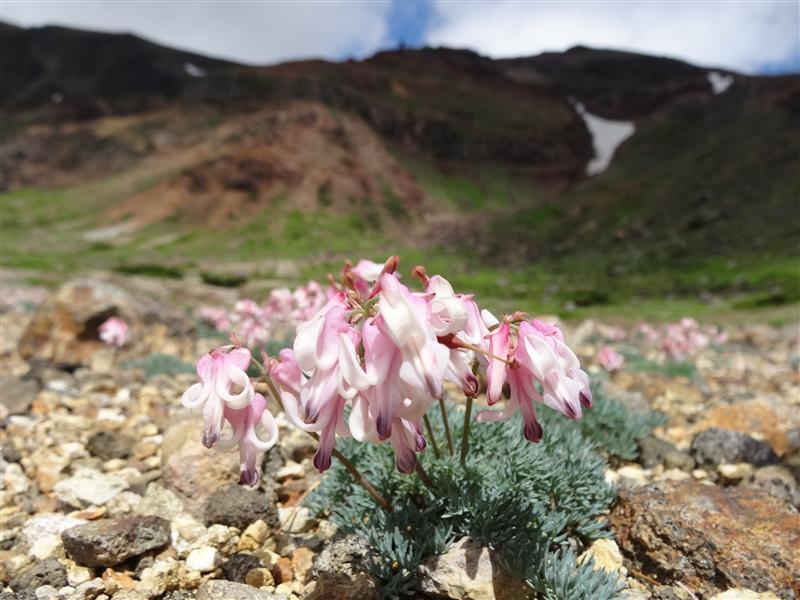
{"x":777,"y":481}
{"x":708,"y":537}
{"x":17,"y":394}
{"x":238,"y":506}
{"x":654,"y":451}
{"x":47,"y":572}
{"x":468,"y":571}
{"x":741,"y":594}
{"x":715,"y":446}
{"x":341,"y":573}
{"x":108,"y":542}
{"x":89,"y":487}
{"x":107,"y":445}
{"x":229,"y":590}
{"x":47,"y":524}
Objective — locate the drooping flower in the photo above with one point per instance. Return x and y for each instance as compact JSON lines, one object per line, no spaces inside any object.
{"x":610,"y":359}
{"x":244,"y":422}
{"x":406,"y":320}
{"x":114,"y":331}
{"x":538,"y":367}
{"x":223,"y":383}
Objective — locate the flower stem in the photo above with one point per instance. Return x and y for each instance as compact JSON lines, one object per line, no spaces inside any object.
{"x":432,"y":437}
{"x":351,"y":468}
{"x":446,"y":425}
{"x":465,"y":431}
{"x":423,"y":475}
{"x":360,"y":479}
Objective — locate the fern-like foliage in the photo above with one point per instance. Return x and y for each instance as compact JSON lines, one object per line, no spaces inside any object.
{"x":533,"y":504}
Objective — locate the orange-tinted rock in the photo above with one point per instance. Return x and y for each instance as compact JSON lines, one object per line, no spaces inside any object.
{"x":757,"y":418}
{"x":282,"y":571}
{"x":302,"y":562}
{"x":708,"y":537}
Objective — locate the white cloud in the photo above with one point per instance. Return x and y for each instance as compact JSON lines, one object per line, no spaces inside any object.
{"x":250,"y":32}
{"x":736,"y":35}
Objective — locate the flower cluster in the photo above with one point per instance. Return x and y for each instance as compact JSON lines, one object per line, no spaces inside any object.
{"x":255,"y":324}
{"x":682,"y":339}
{"x":226,"y":395}
{"x":686,"y":338}
{"x":385,"y":352}
{"x":539,"y":367}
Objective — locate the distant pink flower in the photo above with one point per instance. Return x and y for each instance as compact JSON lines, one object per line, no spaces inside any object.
{"x":610,"y":359}
{"x":223,"y":384}
{"x":612,"y":333}
{"x":648,"y":332}
{"x":114,"y":331}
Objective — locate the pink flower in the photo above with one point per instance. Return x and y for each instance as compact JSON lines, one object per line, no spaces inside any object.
{"x":499,"y":346}
{"x":610,"y":359}
{"x":114,"y":331}
{"x":243,"y":422}
{"x":311,"y":377}
{"x":406,"y":320}
{"x":221,"y":372}
{"x":536,"y":360}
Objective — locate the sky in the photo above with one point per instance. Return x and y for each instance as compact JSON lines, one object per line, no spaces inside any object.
{"x":747,"y":36}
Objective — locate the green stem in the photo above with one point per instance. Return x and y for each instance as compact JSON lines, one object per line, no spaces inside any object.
{"x":465,"y":432}
{"x":446,"y":425}
{"x":432,"y":437}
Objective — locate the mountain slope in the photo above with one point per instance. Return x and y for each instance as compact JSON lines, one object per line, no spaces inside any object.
{"x":116,"y":150}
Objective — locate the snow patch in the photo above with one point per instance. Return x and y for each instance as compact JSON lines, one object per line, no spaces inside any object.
{"x":104,"y":234}
{"x":607,"y":135}
{"x":193,"y":70}
{"x":720,"y":82}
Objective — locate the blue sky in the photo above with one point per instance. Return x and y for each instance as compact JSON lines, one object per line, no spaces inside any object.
{"x":749,"y":36}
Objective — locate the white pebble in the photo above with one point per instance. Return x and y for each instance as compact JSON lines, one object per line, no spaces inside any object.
{"x":203,"y":559}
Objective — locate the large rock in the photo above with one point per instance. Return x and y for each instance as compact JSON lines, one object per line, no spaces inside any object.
{"x":108,"y":542}
{"x":714,"y":447}
{"x":708,"y":537}
{"x":468,"y":571}
{"x":65,"y":328}
{"x":191,"y":470}
{"x":341,"y":573}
